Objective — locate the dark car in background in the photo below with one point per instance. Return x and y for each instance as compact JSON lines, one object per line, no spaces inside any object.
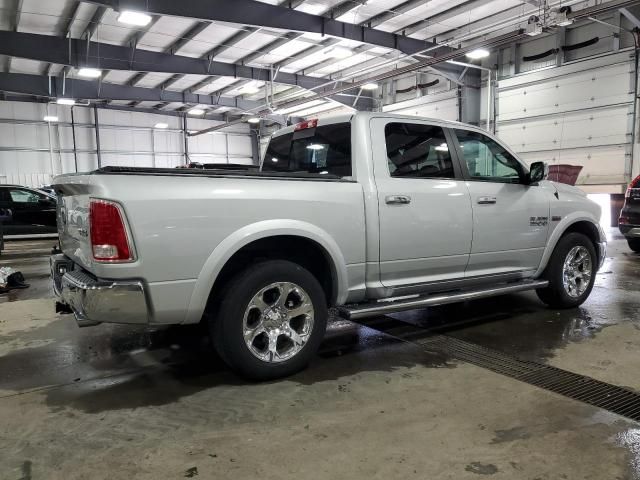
{"x":33,"y":211}
{"x":629,"y":222}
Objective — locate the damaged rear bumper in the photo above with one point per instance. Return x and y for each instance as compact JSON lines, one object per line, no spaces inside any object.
{"x":93,"y":300}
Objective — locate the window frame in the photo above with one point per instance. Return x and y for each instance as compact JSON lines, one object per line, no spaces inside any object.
{"x":465,"y":168}
{"x":458,"y":173}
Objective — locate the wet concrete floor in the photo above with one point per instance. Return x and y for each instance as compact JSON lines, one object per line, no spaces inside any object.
{"x":130,"y":402}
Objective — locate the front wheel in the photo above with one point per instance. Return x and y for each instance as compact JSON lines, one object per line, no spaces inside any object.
{"x":270,"y":321}
{"x":571,"y":272}
{"x":634,"y":244}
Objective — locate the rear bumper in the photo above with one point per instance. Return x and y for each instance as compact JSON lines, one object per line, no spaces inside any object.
{"x":630,"y":231}
{"x":93,"y":300}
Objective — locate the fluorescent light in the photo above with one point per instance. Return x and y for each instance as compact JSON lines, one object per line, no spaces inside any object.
{"x":315,"y":146}
{"x":196,"y":111}
{"x":161,"y":125}
{"x":338,"y":52}
{"x":89,"y":72}
{"x":65,"y":101}
{"x":50,"y":118}
{"x":138,"y":19}
{"x":477,"y":54}
{"x":370,"y":86}
{"x":253,"y":120}
{"x":249,"y":89}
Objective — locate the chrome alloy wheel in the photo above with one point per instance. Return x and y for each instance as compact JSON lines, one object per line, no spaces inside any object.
{"x":278,"y":322}
{"x":577,"y":271}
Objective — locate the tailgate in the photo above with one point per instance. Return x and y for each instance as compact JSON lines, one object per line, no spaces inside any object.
{"x":73,"y":192}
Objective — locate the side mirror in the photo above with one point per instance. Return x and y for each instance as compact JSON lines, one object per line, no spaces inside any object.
{"x":538,"y":171}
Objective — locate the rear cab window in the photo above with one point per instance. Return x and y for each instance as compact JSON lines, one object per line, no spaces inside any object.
{"x":322,"y":150}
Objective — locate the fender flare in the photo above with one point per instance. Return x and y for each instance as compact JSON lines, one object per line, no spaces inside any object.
{"x":560,"y":230}
{"x":257,"y":231}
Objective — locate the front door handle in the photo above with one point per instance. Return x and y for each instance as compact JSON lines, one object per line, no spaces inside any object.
{"x":397,"y":199}
{"x":487,"y":200}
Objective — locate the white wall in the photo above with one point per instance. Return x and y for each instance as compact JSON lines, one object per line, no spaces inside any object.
{"x":33,"y":151}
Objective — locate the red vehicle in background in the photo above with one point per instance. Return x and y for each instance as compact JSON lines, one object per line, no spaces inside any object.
{"x":629,"y":222}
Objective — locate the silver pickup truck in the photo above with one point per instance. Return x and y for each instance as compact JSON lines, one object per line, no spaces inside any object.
{"x":370,"y":213}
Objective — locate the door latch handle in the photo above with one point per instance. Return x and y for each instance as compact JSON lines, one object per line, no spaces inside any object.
{"x":487,"y":200}
{"x":397,"y":199}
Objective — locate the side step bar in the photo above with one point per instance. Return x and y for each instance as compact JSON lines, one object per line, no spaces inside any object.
{"x":371,"y":309}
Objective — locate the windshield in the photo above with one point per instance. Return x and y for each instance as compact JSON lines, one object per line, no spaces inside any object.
{"x":325,"y":150}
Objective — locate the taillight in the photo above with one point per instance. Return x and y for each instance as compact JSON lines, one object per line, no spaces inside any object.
{"x":313,"y":123}
{"x":109,"y":238}
{"x":634,"y":184}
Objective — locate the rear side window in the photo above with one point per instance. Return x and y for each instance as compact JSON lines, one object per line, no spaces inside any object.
{"x":419,"y":151}
{"x":322,"y":150}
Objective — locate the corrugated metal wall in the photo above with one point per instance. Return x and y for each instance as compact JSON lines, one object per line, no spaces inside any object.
{"x":33,"y":151}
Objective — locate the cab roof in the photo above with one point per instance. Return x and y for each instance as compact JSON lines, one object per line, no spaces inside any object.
{"x":349,"y":117}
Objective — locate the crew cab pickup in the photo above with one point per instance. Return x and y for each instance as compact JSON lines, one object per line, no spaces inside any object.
{"x":370,"y":213}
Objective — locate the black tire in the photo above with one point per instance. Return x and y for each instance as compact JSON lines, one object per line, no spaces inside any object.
{"x":634,"y":244}
{"x":555,"y":294}
{"x":226,"y":324}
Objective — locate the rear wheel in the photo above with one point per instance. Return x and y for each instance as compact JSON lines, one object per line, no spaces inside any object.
{"x":571,"y":272}
{"x":270,"y":321}
{"x":634,"y":244}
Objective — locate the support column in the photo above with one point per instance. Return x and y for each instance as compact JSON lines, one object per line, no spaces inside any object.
{"x":97,"y":127}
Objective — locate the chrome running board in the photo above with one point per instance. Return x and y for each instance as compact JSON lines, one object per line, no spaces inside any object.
{"x":382,"y":307}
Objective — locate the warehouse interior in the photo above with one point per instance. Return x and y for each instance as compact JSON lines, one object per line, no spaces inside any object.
{"x":501,"y":387}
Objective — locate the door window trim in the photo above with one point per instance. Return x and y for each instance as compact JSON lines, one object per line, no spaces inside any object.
{"x":458,"y":173}
{"x":465,"y":168}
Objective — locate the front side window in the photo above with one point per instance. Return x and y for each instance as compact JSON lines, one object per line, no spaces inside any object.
{"x":324,"y":150}
{"x":24,"y":196}
{"x":487,"y":160}
{"x":417,"y":151}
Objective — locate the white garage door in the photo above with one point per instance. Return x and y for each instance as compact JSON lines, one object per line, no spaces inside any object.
{"x":578,"y":114}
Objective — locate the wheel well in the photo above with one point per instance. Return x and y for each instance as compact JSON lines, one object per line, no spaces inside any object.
{"x":303,"y":251}
{"x":588,"y":229}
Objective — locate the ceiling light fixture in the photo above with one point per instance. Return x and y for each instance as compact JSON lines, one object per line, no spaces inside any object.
{"x":478,"y":53}
{"x":338,"y":52}
{"x":370,"y":86}
{"x":65,"y":101}
{"x":50,"y":118}
{"x":138,"y":19}
{"x":249,"y":90}
{"x":253,"y":120}
{"x":196,"y":111}
{"x":87,"y":72}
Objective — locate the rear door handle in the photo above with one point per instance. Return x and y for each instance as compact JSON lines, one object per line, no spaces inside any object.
{"x":487,"y":200}
{"x":397,"y":199}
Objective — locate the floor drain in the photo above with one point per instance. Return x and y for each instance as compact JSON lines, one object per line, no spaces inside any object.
{"x":612,"y":398}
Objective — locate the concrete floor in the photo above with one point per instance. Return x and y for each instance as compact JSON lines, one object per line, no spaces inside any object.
{"x":122,"y":402}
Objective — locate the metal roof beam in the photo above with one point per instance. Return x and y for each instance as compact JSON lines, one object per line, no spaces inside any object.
{"x":38,"y":85}
{"x":394,"y":12}
{"x":444,"y":16}
{"x":172,"y":49}
{"x":154,"y":111}
{"x":257,"y":13}
{"x":114,"y":57}
{"x":14,"y":23}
